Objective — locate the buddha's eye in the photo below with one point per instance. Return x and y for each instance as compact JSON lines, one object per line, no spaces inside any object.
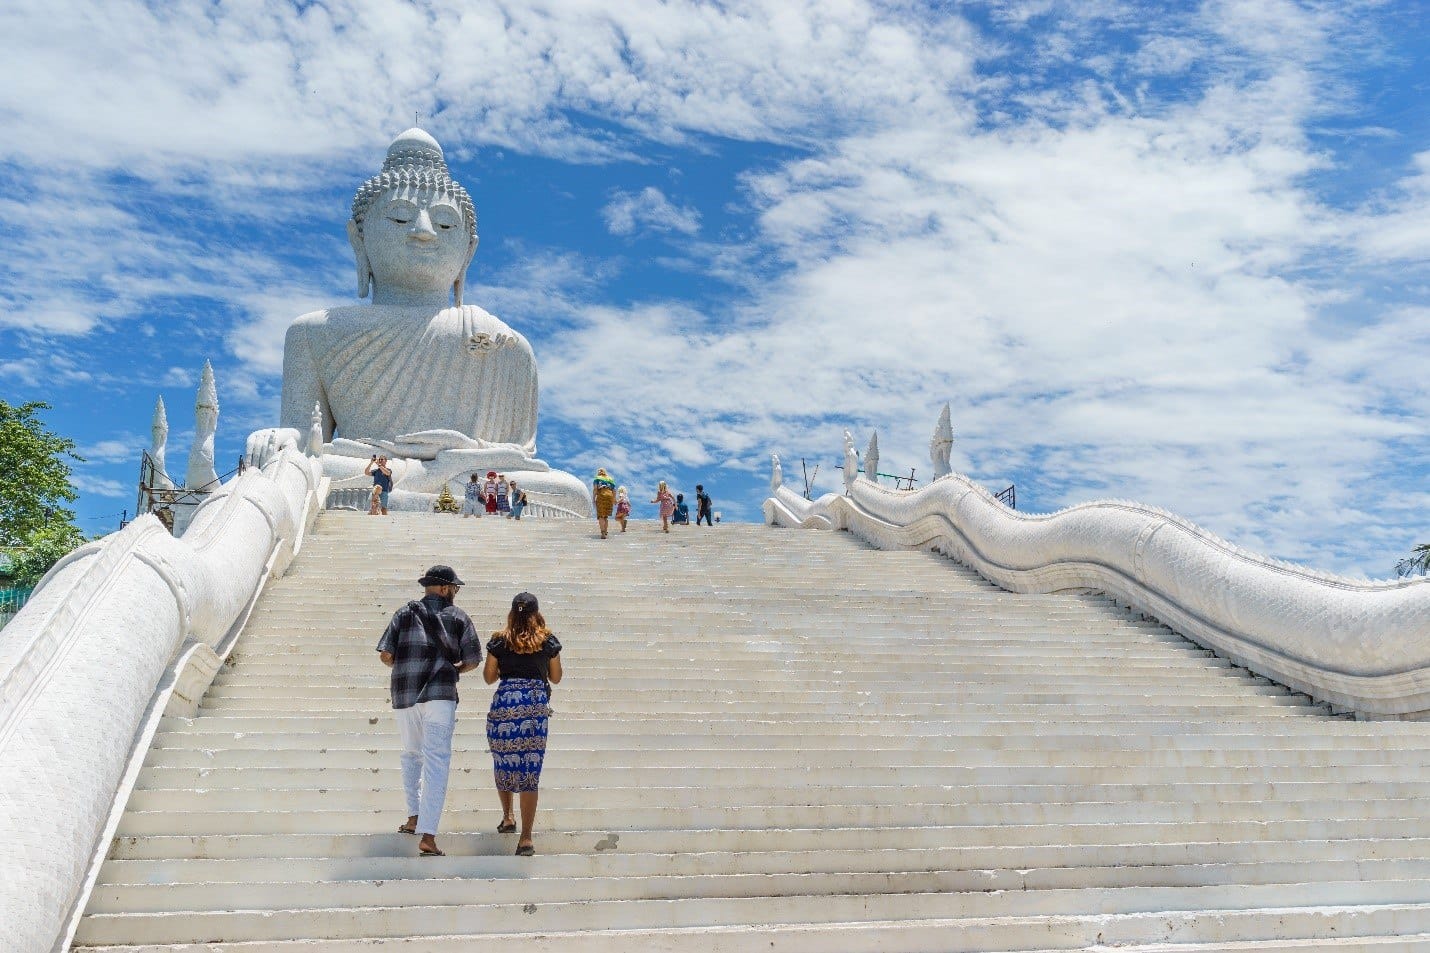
{"x":445,"y":217}
{"x":401,"y":212}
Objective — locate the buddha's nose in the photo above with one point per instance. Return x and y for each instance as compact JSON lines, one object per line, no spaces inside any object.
{"x":422,"y":229}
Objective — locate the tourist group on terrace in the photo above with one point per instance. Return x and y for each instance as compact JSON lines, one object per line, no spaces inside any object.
{"x":497,"y":496}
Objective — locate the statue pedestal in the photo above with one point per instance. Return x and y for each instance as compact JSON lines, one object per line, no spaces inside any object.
{"x":417,"y":482}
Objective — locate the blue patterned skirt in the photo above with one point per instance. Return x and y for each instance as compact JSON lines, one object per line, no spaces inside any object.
{"x":516,"y":732}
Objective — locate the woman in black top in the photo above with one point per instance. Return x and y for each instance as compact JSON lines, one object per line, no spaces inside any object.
{"x":526,"y":658}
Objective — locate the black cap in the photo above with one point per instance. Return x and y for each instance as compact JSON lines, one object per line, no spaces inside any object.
{"x":440,"y":576}
{"x":524,"y":602}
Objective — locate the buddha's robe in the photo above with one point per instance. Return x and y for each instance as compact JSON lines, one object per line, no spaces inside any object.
{"x":379,"y":372}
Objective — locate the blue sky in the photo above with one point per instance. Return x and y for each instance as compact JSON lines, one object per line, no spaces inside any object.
{"x":1177,"y":253}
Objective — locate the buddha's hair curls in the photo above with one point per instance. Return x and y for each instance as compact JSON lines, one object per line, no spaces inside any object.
{"x":415,"y":168}
{"x":525,"y":631}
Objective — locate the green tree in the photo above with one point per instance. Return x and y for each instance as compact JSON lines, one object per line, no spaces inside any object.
{"x":1417,"y":563}
{"x":43,"y":548}
{"x":34,"y":474}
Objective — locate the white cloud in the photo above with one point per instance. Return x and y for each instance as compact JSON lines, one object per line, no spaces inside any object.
{"x":257,"y":340}
{"x":25,"y":370}
{"x":1396,"y":227}
{"x":648,"y":210}
{"x":101,"y":486}
{"x":123,"y":449}
{"x":277,"y":81}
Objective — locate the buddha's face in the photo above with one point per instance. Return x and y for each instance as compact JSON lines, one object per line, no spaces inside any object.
{"x":416,"y":242}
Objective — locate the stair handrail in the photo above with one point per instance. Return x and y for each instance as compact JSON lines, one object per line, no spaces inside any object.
{"x":1357,"y":644}
{"x":73,"y":710}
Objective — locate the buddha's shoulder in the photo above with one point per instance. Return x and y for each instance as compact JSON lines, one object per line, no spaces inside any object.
{"x":462,"y":321}
{"x":324,"y":317}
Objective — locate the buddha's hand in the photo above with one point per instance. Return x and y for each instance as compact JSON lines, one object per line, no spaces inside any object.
{"x":484,"y":342}
{"x":436,"y":440}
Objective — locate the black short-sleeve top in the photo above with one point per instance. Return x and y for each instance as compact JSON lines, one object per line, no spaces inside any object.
{"x":517,"y":665}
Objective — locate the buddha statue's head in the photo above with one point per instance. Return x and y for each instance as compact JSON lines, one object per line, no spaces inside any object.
{"x":413,"y":228}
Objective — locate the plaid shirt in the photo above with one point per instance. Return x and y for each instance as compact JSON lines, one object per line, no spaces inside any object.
{"x":424,"y":670}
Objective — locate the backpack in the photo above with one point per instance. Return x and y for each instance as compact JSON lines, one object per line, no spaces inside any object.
{"x":437,"y":632}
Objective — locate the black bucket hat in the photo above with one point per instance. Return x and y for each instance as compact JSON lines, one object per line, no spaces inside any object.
{"x":524,"y":602}
{"x":440,"y":576}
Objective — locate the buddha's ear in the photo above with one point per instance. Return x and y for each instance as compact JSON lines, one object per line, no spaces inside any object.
{"x":364,"y":270}
{"x":461,"y":281}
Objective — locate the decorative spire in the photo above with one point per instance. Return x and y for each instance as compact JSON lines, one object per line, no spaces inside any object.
{"x":201,"y":474}
{"x":851,"y":462}
{"x":315,"y":432}
{"x":159,"y":432}
{"x":941,"y":444}
{"x":871,"y":458}
{"x":208,"y":391}
{"x":777,"y":477}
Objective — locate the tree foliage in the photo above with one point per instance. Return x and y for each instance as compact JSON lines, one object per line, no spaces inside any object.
{"x":34,"y":474}
{"x":1417,"y":563}
{"x":43,"y":548}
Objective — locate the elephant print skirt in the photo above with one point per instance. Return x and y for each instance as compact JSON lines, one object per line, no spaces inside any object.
{"x":516,"y":732}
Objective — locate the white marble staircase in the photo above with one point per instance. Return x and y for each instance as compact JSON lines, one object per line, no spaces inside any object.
{"x":767,"y":740}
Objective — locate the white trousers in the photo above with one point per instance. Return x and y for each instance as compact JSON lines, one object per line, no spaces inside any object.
{"x":426,"y":729}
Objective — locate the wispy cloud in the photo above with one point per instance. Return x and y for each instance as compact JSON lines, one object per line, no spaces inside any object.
{"x":101,"y":486}
{"x":124,"y":449}
{"x":648,"y":210}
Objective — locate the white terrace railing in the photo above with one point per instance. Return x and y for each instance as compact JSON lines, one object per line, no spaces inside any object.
{"x":356,"y":498}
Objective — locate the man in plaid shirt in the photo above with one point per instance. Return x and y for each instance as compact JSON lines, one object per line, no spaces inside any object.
{"x":427,"y":645}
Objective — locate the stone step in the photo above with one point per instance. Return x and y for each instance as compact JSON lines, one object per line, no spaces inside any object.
{"x":818,"y":694}
{"x":564,"y":771}
{"x":263,"y":817}
{"x":375,"y":728}
{"x":641,"y":913}
{"x":775,"y":752}
{"x":1045,"y":865}
{"x":583,"y":788}
{"x":508,"y":880}
{"x":701,"y":705}
{"x":287,"y":671}
{"x":1221,"y":932}
{"x":1229,"y":840}
{"x":737,"y":642}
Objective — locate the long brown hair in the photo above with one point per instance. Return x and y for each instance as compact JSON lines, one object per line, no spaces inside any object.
{"x":525,"y":631}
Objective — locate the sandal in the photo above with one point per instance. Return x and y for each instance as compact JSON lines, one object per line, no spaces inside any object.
{"x":407,"y":829}
{"x":526,"y":850}
{"x":434,"y":852}
{"x":506,"y":827}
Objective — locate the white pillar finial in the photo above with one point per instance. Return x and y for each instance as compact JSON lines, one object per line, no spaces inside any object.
{"x":777,"y":477}
{"x":158,"y":446}
{"x":851,"y":462}
{"x":201,"y":474}
{"x":315,"y":432}
{"x":941,"y":444}
{"x":871,"y":458}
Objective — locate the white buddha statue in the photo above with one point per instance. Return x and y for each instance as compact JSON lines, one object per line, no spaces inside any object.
{"x":440,"y":387}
